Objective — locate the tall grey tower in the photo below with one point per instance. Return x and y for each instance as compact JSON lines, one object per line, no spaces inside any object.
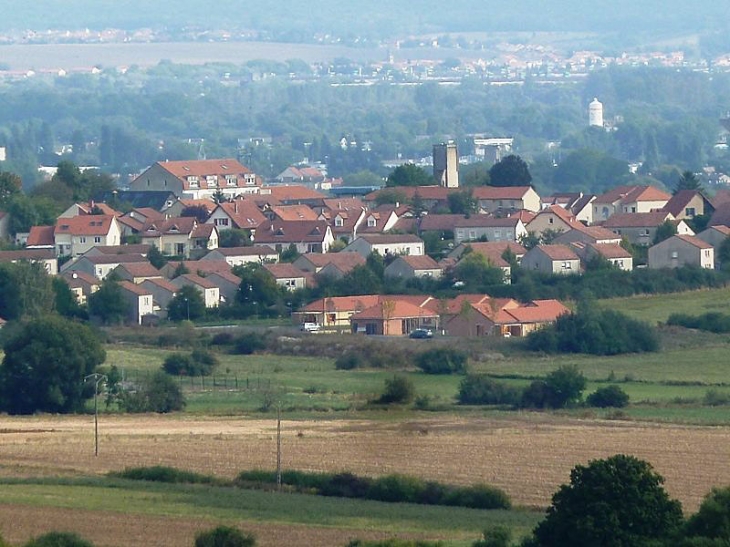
{"x":446,"y":164}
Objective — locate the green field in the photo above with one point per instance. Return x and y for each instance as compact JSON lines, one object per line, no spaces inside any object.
{"x":228,"y":504}
{"x":658,"y":307}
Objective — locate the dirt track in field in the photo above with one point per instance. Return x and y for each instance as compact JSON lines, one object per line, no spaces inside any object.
{"x":527,"y":455}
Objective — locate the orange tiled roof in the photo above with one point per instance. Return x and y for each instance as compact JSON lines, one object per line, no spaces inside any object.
{"x":86,"y":225}
{"x":558,"y":252}
{"x":41,"y":236}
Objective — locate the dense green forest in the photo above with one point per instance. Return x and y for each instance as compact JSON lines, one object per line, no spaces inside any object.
{"x":667,"y":119}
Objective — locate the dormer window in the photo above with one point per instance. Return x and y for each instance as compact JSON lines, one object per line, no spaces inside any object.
{"x":231,"y":180}
{"x":193,"y":182}
{"x":371,"y":222}
{"x":339,"y":221}
{"x":211,"y":181}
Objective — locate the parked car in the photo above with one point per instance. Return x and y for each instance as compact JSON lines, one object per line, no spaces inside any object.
{"x":309,"y":327}
{"x":421,"y":333}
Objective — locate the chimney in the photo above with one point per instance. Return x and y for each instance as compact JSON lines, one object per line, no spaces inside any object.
{"x":235,"y":207}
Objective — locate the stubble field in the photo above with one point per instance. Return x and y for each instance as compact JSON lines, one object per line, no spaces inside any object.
{"x":528,"y":455}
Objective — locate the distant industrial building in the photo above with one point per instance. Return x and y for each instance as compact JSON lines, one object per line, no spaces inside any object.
{"x":446,"y":164}
{"x":492,"y":149}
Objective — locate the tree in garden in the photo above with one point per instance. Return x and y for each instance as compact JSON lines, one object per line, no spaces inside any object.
{"x":45,"y":363}
{"x":10,"y":186}
{"x":687,"y":181}
{"x":664,"y":231}
{"x":616,"y":502}
{"x":26,"y":289}
{"x":187,"y":304}
{"x":462,"y":203}
{"x":108,"y":303}
{"x":409,"y":175}
{"x":510,"y":171}
{"x":156,"y":258}
{"x":158,"y":393}
{"x":224,"y":536}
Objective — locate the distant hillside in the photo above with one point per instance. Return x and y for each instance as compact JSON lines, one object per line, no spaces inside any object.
{"x":295,"y":19}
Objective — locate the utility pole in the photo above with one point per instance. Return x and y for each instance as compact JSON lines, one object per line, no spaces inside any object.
{"x":97,"y":380}
{"x":278,"y":447}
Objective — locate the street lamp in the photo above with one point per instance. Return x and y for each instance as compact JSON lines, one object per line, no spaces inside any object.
{"x":187,"y":305}
{"x":97,"y":378}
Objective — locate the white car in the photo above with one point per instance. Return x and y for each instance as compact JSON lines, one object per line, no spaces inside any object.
{"x":309,"y":327}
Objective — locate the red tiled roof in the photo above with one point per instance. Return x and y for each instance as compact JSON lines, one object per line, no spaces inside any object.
{"x":137,"y":248}
{"x":113,"y":259}
{"x":596,"y":232}
{"x":561,"y":213}
{"x":614,"y":194}
{"x":382,"y":239}
{"x":228,"y":276}
{"x":294,"y":212}
{"x":283,"y":270}
{"x":245,"y":213}
{"x":637,"y":220}
{"x":41,"y":236}
{"x":162,"y":283}
{"x":500,"y":192}
{"x":695,"y":241}
{"x":420,"y":262}
{"x":610,"y":250}
{"x":342,"y":303}
{"x":208,"y":204}
{"x":254,"y":250}
{"x":29,"y":254}
{"x":394,"y":308}
{"x":201,"y":168}
{"x":537,"y":311}
{"x":140,"y":269}
{"x":558,"y":252}
{"x":181,"y":225}
{"x":343,"y":260}
{"x":203,"y":230}
{"x":79,"y":279}
{"x":85,"y":225}
{"x":292,"y":193}
{"x":194,"y":279}
{"x":133,"y":288}
{"x":645,"y":193}
{"x":430,"y":193}
{"x":282,"y":231}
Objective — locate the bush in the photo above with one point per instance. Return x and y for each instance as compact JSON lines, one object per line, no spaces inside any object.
{"x":398,"y":389}
{"x":442,"y":361}
{"x":199,"y":363}
{"x":561,"y":388}
{"x":59,"y":539}
{"x":594,"y":331}
{"x":248,"y":344}
{"x":478,"y":496}
{"x":161,"y":473}
{"x":479,"y":389}
{"x":224,"y":536}
{"x":608,"y":397}
{"x":159,"y":393}
{"x":394,"y":543}
{"x":396,"y":488}
{"x":716,"y":398}
{"x":712,"y":322}
{"x":350,"y":360}
{"x":496,"y":536}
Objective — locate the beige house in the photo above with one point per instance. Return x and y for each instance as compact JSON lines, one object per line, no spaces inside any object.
{"x":238,"y":256}
{"x":136,"y":272}
{"x":554,"y":218}
{"x":506,"y":199}
{"x":139,"y":299}
{"x":613,"y":252}
{"x":308,"y":236}
{"x":228,"y":285}
{"x":162,"y":291}
{"x":386,"y":244}
{"x":198,"y":179}
{"x":287,"y":276}
{"x":239,"y":214}
{"x":100,"y":266}
{"x":81,"y":284}
{"x":552,"y":259}
{"x":207,"y":289}
{"x":641,"y":228}
{"x":74,"y":236}
{"x":687,"y":204}
{"x":578,"y":204}
{"x":503,"y":317}
{"x":181,"y":236}
{"x":316,"y":262}
{"x":410,"y":266}
{"x":393,"y":316}
{"x":587,"y":234}
{"x":45,"y":257}
{"x":628,"y":199}
{"x":681,"y":250}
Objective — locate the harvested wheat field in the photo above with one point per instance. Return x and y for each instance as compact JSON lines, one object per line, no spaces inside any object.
{"x":528,"y":455}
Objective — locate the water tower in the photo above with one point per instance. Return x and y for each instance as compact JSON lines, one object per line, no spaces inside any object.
{"x":595,"y":113}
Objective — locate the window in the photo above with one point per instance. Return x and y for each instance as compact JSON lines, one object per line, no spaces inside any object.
{"x":231,"y":180}
{"x":82,"y":239}
{"x":567,"y":265}
{"x":193,"y":182}
{"x":644,"y":232}
{"x":472,"y":234}
{"x":97,"y":239}
{"x":211,"y":181}
{"x":690,"y":211}
{"x":339,"y":221}
{"x":221,"y":222}
{"x":371,"y":222}
{"x":551,"y":220}
{"x":250,"y":179}
{"x":675,"y":255}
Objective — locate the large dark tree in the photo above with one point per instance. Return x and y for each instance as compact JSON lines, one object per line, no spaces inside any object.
{"x":108,"y":303}
{"x":224,"y":536}
{"x":188,"y":304}
{"x":616,"y":502}
{"x":713,"y":518}
{"x":10,"y":185}
{"x":510,"y":171}
{"x":687,"y":181}
{"x":44,"y":366}
{"x":410,"y":175}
